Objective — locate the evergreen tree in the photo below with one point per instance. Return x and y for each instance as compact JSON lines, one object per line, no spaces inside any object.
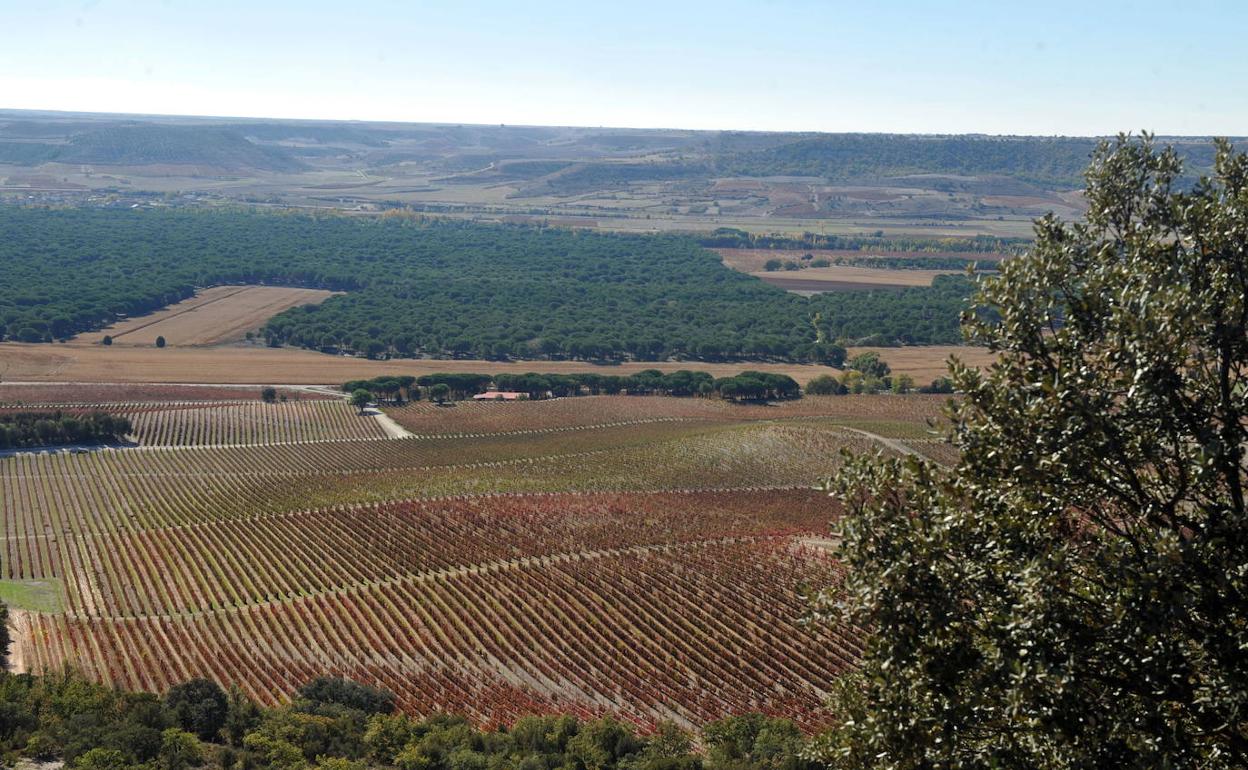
{"x":1074,"y":593}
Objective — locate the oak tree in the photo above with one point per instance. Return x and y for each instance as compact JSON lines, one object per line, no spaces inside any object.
{"x":1074,"y":592}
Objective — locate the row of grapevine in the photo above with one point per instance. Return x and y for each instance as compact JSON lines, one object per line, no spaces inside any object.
{"x":254,"y":423}
{"x":96,"y":394}
{"x":206,"y":567}
{"x":689,"y":632}
{"x":646,"y":567}
{"x":426,"y":418}
{"x":59,"y":496}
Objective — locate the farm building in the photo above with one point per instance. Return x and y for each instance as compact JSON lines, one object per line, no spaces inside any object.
{"x":501,"y":395}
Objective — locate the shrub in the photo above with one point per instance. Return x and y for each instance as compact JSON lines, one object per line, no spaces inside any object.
{"x":344,"y":692}
{"x":198,"y":706}
{"x":824,"y":385}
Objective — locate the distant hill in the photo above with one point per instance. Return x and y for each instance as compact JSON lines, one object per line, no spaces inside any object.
{"x":1052,"y":163}
{"x":863,"y":156}
{"x":138,"y":144}
{"x":601,"y":178}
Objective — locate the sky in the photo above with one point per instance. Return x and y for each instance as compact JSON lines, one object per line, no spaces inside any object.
{"x":1052,"y":67}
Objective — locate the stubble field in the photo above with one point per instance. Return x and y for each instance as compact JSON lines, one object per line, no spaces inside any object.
{"x":213,"y":316}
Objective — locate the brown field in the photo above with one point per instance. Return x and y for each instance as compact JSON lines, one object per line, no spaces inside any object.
{"x":844,"y":278}
{"x":926,"y":363}
{"x":213,"y":316}
{"x":79,"y":362}
{"x":106,"y":393}
{"x":894,"y":416}
{"x":753,"y":260}
{"x":76,"y":362}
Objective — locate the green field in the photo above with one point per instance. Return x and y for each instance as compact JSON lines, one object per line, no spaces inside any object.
{"x":34,"y":595}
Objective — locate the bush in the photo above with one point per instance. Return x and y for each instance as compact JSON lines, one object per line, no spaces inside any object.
{"x":939,"y":385}
{"x":902,"y":383}
{"x":101,"y":759}
{"x":344,"y":692}
{"x":870,"y":364}
{"x":198,"y":706}
{"x":179,"y":750}
{"x":824,"y":385}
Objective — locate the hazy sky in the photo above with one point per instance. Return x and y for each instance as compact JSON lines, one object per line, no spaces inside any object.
{"x":1001,"y":67}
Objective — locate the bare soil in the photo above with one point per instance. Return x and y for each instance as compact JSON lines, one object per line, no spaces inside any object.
{"x":841,"y":278}
{"x":214,"y":316}
{"x":926,"y":363}
{"x":108,"y":393}
{"x":753,"y":260}
{"x":79,"y":362}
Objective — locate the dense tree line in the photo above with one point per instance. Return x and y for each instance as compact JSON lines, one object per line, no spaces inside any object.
{"x":343,"y":725}
{"x":440,"y":288}
{"x":733,"y":238}
{"x":386,"y":388}
{"x":27,"y":429}
{"x":916,"y":263}
{"x":746,"y":386}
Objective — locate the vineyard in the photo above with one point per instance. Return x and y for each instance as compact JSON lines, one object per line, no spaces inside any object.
{"x":644,"y":557}
{"x":907,"y":413}
{"x":655,"y":634}
{"x":96,"y":394}
{"x":253,"y":422}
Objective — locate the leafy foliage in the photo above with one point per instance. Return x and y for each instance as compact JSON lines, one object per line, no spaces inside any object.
{"x":1074,"y":593}
{"x":25,"y":429}
{"x":824,"y":385}
{"x":198,"y":706}
{"x":360,"y":399}
{"x":345,"y":725}
{"x":329,"y":690}
{"x":648,"y":382}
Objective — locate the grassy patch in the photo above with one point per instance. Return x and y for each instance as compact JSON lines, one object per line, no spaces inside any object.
{"x":37,"y":595}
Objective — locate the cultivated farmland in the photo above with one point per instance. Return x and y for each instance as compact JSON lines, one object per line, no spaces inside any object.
{"x":252,"y":423}
{"x":880,"y":415}
{"x":639,"y":556}
{"x":80,"y":363}
{"x":96,"y":393}
{"x":848,"y":278}
{"x":213,"y":316}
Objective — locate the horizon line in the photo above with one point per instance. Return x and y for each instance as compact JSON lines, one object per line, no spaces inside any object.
{"x":369,"y":121}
